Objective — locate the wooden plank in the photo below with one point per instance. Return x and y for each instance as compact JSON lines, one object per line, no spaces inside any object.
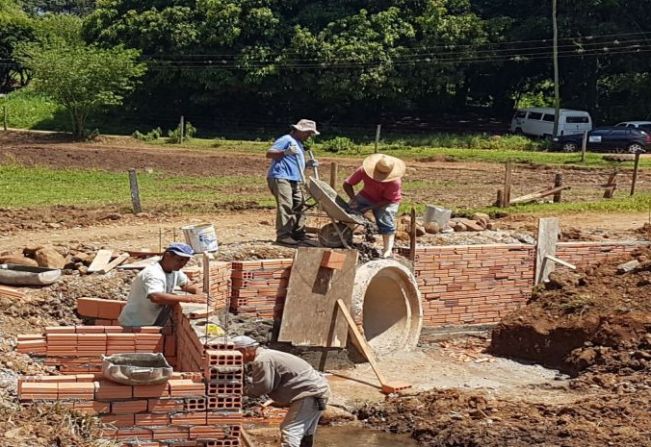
{"x":141,"y":264}
{"x":102,"y":258}
{"x":548,"y":230}
{"x":560,"y":262}
{"x":311,"y":300}
{"x":114,"y":263}
{"x":506,"y":192}
{"x":538,"y":195}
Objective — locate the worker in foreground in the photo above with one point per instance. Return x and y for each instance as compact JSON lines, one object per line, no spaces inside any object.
{"x":381,"y":193}
{"x":288,"y":380}
{"x":151,"y":296}
{"x":284,"y":178}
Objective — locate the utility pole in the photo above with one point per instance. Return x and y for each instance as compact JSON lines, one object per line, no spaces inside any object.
{"x":557,"y":91}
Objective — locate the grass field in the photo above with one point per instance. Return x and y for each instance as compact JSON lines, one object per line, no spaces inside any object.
{"x":23,"y":186}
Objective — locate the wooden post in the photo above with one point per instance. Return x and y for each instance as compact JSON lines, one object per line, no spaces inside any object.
{"x":558,"y":181}
{"x":135,"y":192}
{"x":5,"y":117}
{"x":506,"y":192}
{"x":181,"y":129}
{"x":635,"y":169}
{"x":378,"y":130}
{"x":584,"y":146}
{"x":498,"y":201}
{"x":412,"y":240}
{"x":334,"y":169}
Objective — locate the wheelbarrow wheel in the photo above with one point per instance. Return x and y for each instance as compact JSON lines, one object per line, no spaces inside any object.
{"x":328,"y":236}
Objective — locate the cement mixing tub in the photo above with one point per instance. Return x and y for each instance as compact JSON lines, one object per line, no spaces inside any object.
{"x":387,"y":302}
{"x":136,"y":368}
{"x":22,"y":275}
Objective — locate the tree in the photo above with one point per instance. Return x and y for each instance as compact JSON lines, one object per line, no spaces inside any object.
{"x":15,"y":28}
{"x":77,"y":7}
{"x":82,"y":78}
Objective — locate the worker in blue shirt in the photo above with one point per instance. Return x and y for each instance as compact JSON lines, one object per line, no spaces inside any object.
{"x":284,"y":178}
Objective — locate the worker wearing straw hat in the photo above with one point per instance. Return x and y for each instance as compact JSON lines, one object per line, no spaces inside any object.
{"x":382,"y":192}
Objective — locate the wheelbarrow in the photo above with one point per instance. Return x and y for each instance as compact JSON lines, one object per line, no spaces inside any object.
{"x":339,"y":232}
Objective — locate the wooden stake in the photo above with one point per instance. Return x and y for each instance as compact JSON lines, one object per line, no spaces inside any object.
{"x":378,"y":130}
{"x":412,"y":240}
{"x":558,"y":182}
{"x":5,"y":115}
{"x":584,"y":146}
{"x":135,"y":192}
{"x":506,"y":192}
{"x":635,"y":169}
{"x":181,"y":129}
{"x":334,"y":170}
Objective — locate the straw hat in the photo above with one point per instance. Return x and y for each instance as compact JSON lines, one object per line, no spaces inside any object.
{"x":383,"y":168}
{"x":306,"y":126}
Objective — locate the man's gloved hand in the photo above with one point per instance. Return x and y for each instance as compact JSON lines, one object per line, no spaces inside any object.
{"x":312,"y":163}
{"x":293,"y":149}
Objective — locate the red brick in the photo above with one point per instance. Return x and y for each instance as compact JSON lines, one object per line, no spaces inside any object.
{"x":119,"y":420}
{"x":129,"y":406}
{"x":110,"y":309}
{"x":161,"y":390}
{"x":88,"y":307}
{"x":79,"y":390}
{"x":111,"y":391}
{"x":152,"y":420}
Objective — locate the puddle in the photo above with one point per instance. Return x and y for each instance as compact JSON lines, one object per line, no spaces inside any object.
{"x":344,"y":436}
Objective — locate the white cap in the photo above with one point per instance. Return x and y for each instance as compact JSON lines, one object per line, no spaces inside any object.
{"x":243,"y":341}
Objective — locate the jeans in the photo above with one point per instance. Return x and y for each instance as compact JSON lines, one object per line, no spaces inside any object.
{"x":301,"y":421}
{"x":290,"y":219}
{"x":385,"y":217}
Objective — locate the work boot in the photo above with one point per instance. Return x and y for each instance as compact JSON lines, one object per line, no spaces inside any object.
{"x":286,"y":240}
{"x":307,"y":441}
{"x":300,"y":236}
{"x":388,"y":240}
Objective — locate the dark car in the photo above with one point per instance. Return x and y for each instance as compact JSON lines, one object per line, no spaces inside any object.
{"x":607,"y":139}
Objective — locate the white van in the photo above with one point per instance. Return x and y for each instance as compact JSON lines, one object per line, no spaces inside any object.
{"x":539,"y":122}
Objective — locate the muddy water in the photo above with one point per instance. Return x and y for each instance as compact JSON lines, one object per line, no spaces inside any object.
{"x":345,"y":436}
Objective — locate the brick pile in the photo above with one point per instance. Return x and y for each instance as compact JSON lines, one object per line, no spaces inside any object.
{"x":585,"y":253}
{"x":259,"y":287}
{"x":200,"y":407}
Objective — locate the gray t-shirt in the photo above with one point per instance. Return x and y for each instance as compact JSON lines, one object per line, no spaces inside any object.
{"x":140,"y":310}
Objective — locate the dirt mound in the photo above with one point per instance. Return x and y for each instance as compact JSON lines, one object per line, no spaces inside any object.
{"x":454,"y":418}
{"x":645,"y":231}
{"x":580,"y":320}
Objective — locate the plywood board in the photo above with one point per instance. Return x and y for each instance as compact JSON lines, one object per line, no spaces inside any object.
{"x":114,"y":263}
{"x":310,"y":316}
{"x":548,"y":230}
{"x":141,"y":264}
{"x":102,"y":259}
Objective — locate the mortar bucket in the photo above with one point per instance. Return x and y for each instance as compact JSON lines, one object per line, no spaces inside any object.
{"x":202,"y":237}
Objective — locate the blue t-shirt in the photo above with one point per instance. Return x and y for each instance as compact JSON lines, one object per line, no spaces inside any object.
{"x":288,"y":167}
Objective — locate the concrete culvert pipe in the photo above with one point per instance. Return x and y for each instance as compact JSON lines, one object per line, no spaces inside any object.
{"x":386,"y":302}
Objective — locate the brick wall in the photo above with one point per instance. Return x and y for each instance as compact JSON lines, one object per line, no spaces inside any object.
{"x":479,"y":284}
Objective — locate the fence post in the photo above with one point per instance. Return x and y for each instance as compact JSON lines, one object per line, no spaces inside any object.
{"x":584,"y":146}
{"x":506,"y":192}
{"x":135,"y":192}
{"x":334,"y":168}
{"x":378,"y":130}
{"x":5,"y":117}
{"x":181,"y":129}
{"x":558,"y":181}
{"x":635,"y":169}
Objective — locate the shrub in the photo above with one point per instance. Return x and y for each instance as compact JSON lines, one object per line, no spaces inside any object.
{"x":152,"y":135}
{"x":174,"y":136}
{"x":338,"y":144}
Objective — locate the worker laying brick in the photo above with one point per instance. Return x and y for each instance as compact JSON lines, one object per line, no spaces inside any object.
{"x":151,"y":295}
{"x":381,"y":193}
{"x":288,"y":380}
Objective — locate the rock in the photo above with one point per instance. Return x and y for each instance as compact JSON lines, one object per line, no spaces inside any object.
{"x":49,"y":257}
{"x":54,"y":225}
{"x":481,"y":217}
{"x":458,"y":226}
{"x":333,"y":415}
{"x":31,"y":250}
{"x":81,"y":257}
{"x":265,"y":222}
{"x":628,"y":266}
{"x":420,"y":231}
{"x":432,"y":228}
{"x":112,"y":216}
{"x":402,"y":236}
{"x":472,"y":225}
{"x":18,"y":260}
{"x":491,"y":226}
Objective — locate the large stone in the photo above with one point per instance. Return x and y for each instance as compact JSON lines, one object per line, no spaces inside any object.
{"x":49,"y":257}
{"x":30,"y":251}
{"x":402,"y":236}
{"x":432,"y":228}
{"x":471,"y":225}
{"x":481,"y":216}
{"x":18,"y":260}
{"x":458,"y":226}
{"x":420,"y":231}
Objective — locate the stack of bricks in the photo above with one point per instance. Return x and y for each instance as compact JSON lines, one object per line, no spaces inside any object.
{"x":197,"y":408}
{"x":473,"y":284}
{"x":582,"y":254}
{"x":220,"y":283}
{"x":78,"y":349}
{"x":102,"y":312}
{"x":259,"y":288}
